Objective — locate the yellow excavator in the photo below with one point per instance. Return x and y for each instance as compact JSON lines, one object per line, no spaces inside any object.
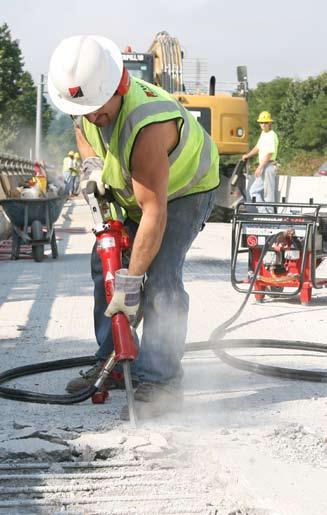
{"x":224,"y":115}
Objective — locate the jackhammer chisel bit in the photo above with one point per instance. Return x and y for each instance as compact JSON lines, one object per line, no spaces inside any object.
{"x":129,"y":393}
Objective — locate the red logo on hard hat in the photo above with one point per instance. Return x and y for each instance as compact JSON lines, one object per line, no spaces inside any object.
{"x":76,"y":92}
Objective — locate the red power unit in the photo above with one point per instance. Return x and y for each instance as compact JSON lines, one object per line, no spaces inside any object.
{"x":297,"y":236}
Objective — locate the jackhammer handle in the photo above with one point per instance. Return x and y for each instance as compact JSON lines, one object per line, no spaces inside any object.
{"x":92,"y":188}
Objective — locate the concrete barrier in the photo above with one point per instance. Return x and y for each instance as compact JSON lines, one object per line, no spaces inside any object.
{"x":297,"y":189}
{"x":302,"y":189}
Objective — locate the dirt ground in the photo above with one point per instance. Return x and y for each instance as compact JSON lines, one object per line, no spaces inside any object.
{"x":244,"y":444}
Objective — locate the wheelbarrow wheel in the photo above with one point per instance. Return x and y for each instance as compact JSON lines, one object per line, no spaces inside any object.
{"x":54,"y":247}
{"x":37,"y":234}
{"x":15,"y":245}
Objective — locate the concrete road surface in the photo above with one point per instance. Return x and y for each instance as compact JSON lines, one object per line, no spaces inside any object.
{"x":243,"y":444}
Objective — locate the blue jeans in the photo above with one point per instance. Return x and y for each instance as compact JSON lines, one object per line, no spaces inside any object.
{"x":68,"y":182}
{"x":166,"y":303}
{"x":75,"y":181}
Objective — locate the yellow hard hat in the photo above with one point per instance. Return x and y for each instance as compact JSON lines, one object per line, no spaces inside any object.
{"x":71,"y":153}
{"x":264,"y":116}
{"x":77,"y":156}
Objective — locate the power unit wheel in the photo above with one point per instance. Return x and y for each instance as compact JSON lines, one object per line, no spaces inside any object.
{"x":15,"y":245}
{"x":275,"y":289}
{"x":37,"y":234}
{"x":54,"y":247}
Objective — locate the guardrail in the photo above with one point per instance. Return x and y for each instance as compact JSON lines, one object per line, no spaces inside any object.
{"x":14,"y":171}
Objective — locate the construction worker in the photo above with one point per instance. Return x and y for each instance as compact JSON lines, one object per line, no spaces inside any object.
{"x":264,"y":186}
{"x":162,"y":167}
{"x":67,"y":168}
{"x":76,"y":170}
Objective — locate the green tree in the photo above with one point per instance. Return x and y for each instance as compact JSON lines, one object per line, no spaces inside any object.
{"x":11,"y":64}
{"x":310,"y":129}
{"x":17,"y":99}
{"x":300,"y":95}
{"x":267,"y":96}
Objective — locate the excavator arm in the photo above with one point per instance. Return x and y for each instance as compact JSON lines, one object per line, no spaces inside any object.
{"x":168,"y":69}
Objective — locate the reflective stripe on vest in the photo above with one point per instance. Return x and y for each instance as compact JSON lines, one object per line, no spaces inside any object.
{"x":193,"y":162}
{"x":204,"y":163}
{"x":142,"y":112}
{"x":137,"y":116}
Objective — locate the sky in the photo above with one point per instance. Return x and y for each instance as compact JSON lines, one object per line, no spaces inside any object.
{"x":280,"y":38}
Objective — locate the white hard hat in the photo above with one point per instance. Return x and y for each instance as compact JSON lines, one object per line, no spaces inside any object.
{"x":84,"y":73}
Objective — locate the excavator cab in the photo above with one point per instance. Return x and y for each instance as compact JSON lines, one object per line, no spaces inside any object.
{"x":139,"y":65}
{"x":223,"y":114}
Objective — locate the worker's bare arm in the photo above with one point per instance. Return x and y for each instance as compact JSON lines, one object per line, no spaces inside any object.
{"x":150,"y":173}
{"x":252,"y":153}
{"x":84,"y":148}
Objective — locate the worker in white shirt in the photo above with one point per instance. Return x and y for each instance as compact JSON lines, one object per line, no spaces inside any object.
{"x":264,"y":186}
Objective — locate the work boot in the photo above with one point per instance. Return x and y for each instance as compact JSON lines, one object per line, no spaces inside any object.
{"x":154,"y":400}
{"x":114,"y":381}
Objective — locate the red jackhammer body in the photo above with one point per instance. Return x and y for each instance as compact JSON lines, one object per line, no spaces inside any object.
{"x":111,"y":240}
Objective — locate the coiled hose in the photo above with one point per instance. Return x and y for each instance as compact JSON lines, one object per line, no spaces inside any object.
{"x":216,"y":343}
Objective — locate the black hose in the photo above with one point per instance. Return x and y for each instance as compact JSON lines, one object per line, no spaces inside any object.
{"x":215,"y":343}
{"x":46,"y":366}
{"x":219,"y":348}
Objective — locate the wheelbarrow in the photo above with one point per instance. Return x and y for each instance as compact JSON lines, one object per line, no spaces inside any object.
{"x":32,"y":221}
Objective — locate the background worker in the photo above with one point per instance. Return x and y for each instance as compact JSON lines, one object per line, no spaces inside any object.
{"x":263,"y":188}
{"x":40,"y":172}
{"x":75,"y":173}
{"x":67,"y":168}
{"x":162,"y":167}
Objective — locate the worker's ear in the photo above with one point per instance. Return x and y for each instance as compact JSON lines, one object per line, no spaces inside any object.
{"x":124,"y":83}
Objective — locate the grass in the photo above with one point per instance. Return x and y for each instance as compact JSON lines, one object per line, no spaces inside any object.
{"x":304,"y":164}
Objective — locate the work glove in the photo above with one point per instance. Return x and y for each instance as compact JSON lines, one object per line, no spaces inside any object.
{"x":92,"y":171}
{"x":126,"y":298}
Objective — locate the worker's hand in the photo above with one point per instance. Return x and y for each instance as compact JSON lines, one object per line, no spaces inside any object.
{"x":126,"y":298}
{"x":245,"y":157}
{"x":258,"y":172}
{"x":92,"y":171}
{"x":84,"y":147}
{"x":96,"y":176}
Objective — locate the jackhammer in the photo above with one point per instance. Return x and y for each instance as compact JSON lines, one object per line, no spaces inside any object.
{"x":111,"y":240}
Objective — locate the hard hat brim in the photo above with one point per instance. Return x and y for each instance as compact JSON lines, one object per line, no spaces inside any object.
{"x":76,"y":109}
